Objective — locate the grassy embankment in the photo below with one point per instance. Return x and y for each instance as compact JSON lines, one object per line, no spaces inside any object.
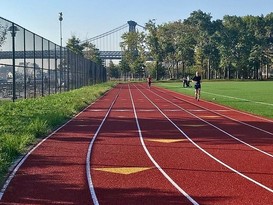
{"x":24,"y":122}
{"x":250,"y":96}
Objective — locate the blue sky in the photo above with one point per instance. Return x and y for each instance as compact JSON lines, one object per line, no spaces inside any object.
{"x":89,"y":18}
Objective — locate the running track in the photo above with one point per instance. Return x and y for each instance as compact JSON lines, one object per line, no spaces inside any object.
{"x":149,"y":146}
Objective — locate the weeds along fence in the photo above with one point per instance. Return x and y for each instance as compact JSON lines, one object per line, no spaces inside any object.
{"x":31,"y":66}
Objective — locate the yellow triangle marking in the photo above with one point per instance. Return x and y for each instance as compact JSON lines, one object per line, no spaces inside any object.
{"x":211,"y":116}
{"x":148,"y":110}
{"x":194,"y":125}
{"x":197,"y":110}
{"x":166,"y":140}
{"x":123,"y":170}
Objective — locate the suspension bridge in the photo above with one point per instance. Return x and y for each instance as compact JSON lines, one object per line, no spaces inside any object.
{"x":107,"y":43}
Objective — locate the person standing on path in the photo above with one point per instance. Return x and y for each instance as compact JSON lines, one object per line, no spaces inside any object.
{"x":149,"y":80}
{"x":197,"y":85}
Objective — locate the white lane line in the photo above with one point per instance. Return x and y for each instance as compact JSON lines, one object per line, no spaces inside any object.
{"x":242,"y":99}
{"x":228,"y":108}
{"x":197,"y":110}
{"x":88,"y":155}
{"x":121,"y":110}
{"x":210,"y":155}
{"x":20,"y":162}
{"x":152,"y":159}
{"x":98,"y":110}
{"x":172,"y":110}
{"x":230,"y":118}
{"x":230,"y":135}
{"x":146,"y":110}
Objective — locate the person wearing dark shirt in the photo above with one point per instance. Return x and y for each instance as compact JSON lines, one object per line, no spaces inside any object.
{"x":197,"y":85}
{"x":149,"y":80}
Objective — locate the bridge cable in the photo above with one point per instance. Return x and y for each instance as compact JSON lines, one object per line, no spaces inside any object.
{"x":106,"y":33}
{"x":141,"y":26}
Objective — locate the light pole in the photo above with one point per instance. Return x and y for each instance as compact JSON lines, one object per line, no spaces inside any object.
{"x":60,"y":19}
{"x":13,"y":30}
{"x":61,"y":42}
{"x":155,"y":39}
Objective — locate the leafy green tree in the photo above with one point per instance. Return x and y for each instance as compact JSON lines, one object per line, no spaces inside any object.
{"x":92,"y":53}
{"x":152,"y":41}
{"x":234,"y":47}
{"x":256,"y":43}
{"x":177,"y":44}
{"x":113,"y":70}
{"x":228,"y":40}
{"x":75,"y":45}
{"x":133,"y":51}
{"x":268,"y":53}
{"x":185,"y":46}
{"x":202,"y":30}
{"x":124,"y":67}
{"x":166,"y":43}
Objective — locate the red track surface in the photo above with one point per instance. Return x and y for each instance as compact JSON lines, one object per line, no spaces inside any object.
{"x":150,"y":147}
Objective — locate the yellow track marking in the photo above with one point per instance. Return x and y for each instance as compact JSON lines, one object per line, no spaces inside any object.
{"x":123,"y":170}
{"x":166,"y":140}
{"x":194,"y":125}
{"x":210,"y":116}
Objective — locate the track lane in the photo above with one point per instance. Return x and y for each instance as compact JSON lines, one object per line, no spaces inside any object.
{"x":259,"y":168}
{"x":243,"y":153}
{"x":235,"y":192}
{"x":237,"y":118}
{"x":240,"y":118}
{"x":118,"y":149}
{"x":54,"y":172}
{"x":88,"y":156}
{"x":121,"y":171}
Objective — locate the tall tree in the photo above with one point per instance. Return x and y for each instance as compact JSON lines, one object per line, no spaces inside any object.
{"x":113,"y":70}
{"x":228,"y":40}
{"x":177,"y":43}
{"x":268,"y":52}
{"x":124,"y":67}
{"x":256,"y":43}
{"x":201,"y":22}
{"x":75,"y":45}
{"x":133,"y":48}
{"x":152,"y":41}
{"x":91,"y":52}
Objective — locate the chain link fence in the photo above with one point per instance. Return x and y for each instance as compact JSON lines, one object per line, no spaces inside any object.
{"x":31,"y":66}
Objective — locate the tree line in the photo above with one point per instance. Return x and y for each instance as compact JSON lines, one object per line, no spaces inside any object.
{"x":231,"y":48}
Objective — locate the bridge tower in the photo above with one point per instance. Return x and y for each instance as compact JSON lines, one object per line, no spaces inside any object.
{"x":132,"y":26}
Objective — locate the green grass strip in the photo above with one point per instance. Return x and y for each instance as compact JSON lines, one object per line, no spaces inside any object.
{"x":251,"y":96}
{"x":24,"y":121}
